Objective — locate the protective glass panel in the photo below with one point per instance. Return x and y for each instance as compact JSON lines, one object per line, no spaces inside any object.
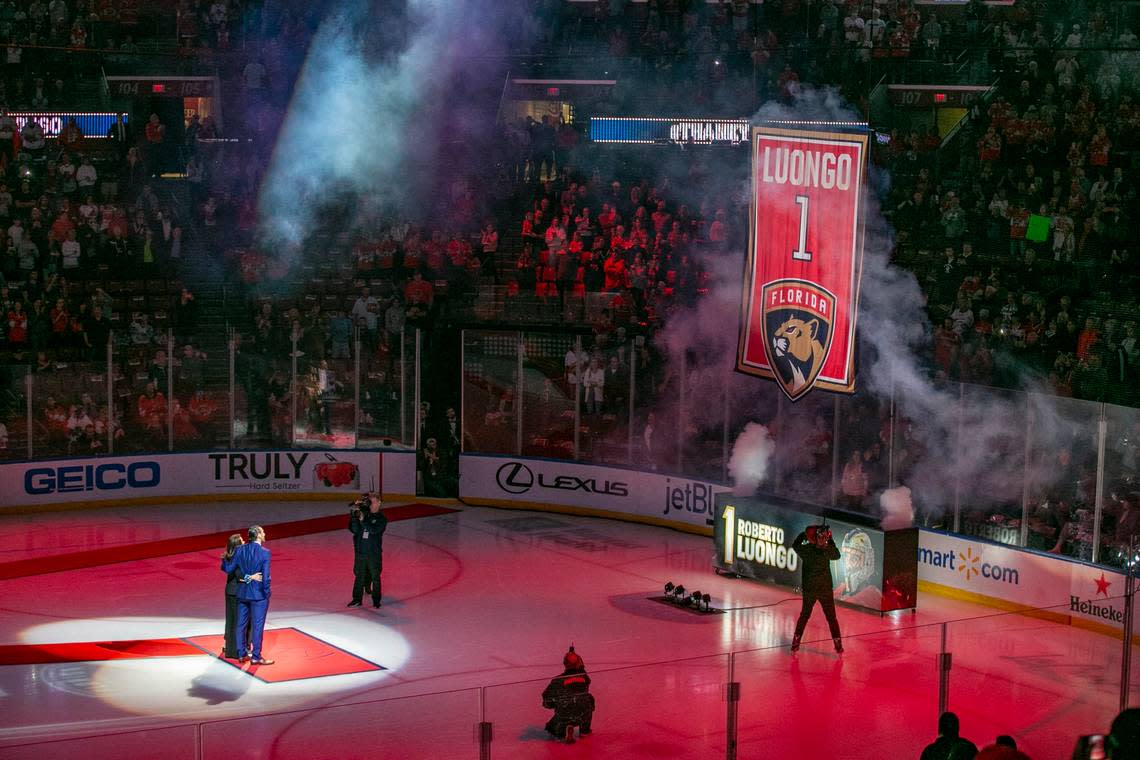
{"x":13,"y":412}
{"x":490,"y":383}
{"x":549,"y":381}
{"x":607,"y":381}
{"x":1035,"y":677}
{"x":70,"y":414}
{"x":1120,"y":520}
{"x":1061,"y":476}
{"x":201,"y":398}
{"x":991,"y":464}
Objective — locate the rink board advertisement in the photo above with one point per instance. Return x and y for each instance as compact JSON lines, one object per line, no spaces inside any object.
{"x":588,"y":489}
{"x":753,"y":538}
{"x":801,"y":279}
{"x":1014,"y":578}
{"x":214,"y":474}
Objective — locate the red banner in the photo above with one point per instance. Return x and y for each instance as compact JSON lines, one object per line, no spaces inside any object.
{"x":804,"y":259}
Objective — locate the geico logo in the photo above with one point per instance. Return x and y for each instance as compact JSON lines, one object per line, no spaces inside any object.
{"x":91,"y":477}
{"x":589,"y":485}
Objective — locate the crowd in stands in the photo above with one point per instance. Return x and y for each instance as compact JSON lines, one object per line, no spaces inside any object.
{"x":90,"y":247}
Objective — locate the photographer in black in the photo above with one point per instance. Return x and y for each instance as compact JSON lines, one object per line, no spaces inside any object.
{"x":816,"y":550}
{"x":570,"y":698}
{"x":367,"y":524}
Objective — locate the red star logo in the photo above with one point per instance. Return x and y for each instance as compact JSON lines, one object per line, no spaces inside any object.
{"x":1102,"y":584}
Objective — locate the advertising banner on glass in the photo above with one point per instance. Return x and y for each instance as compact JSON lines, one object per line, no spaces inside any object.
{"x":990,"y":573}
{"x":876,"y":570}
{"x":533,"y":483}
{"x":218,"y":474}
{"x":801,"y":279}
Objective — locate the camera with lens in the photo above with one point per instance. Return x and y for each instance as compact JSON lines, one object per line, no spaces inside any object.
{"x":361,"y":505}
{"x":819,"y":534}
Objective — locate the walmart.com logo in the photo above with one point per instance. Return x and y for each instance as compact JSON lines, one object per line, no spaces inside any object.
{"x":968,"y":563}
{"x":971,"y":564}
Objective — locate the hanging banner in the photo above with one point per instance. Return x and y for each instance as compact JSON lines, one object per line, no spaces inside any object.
{"x":805,"y":255}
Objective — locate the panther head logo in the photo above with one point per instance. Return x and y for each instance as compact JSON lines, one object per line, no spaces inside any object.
{"x":795,"y":343}
{"x":797,"y":318}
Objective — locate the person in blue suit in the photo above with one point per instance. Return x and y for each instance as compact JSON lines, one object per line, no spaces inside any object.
{"x":250,"y":560}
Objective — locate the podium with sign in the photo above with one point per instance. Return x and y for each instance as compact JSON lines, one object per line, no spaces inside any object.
{"x":877,"y":569}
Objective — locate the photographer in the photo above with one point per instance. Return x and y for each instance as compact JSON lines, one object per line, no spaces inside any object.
{"x":817,"y":550}
{"x":569,"y":696}
{"x":367,"y":524}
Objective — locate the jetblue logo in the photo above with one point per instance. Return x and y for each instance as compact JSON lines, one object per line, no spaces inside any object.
{"x":694,"y":497}
{"x":112,"y":476}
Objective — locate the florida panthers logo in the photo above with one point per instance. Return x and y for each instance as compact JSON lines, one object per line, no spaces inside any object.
{"x":797,"y":324}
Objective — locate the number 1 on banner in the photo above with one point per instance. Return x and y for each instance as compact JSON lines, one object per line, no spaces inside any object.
{"x":729,"y":518}
{"x":799,"y":254}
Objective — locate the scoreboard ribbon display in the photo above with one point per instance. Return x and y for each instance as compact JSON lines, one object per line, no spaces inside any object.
{"x":804,"y":257}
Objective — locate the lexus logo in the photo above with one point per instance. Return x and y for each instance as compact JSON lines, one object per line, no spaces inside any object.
{"x":514,"y":477}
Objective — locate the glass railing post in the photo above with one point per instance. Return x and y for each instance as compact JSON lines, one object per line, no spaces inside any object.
{"x":945,"y":661}
{"x":892,"y":426}
{"x":579,"y":370}
{"x":28,"y":410}
{"x":1025,"y":476}
{"x":110,"y":393}
{"x":230,"y":349}
{"x":732,"y":711}
{"x":169,"y":390}
{"x":1101,"y":435}
{"x":724,"y":454}
{"x":520,"y":386}
{"x":484,"y":728}
{"x":404,"y":387}
{"x":632,"y":402}
{"x":1129,"y":623}
{"x":682,"y":428}
{"x":835,"y":415}
{"x":356,"y":391}
{"x":958,"y":458}
{"x":295,"y":389}
{"x":420,"y":421}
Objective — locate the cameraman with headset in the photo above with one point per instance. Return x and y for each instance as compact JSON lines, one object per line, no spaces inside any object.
{"x":817,"y":550}
{"x":367,"y":524}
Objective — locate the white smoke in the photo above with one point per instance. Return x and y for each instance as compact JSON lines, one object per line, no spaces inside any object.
{"x":969,"y":443}
{"x":897,"y":509}
{"x":371,"y":104}
{"x":751,"y":454}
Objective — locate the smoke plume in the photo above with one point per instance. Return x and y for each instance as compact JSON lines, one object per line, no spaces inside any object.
{"x":951,"y":445}
{"x":376,"y":96}
{"x":896,"y":508}
{"x":748,"y":464}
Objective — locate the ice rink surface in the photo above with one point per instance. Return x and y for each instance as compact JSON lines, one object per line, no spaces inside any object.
{"x":479,"y":606}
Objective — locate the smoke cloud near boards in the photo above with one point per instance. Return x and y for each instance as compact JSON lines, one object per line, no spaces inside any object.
{"x":748,"y":464}
{"x":972,"y":443}
{"x":373,"y":101}
{"x":896,"y":508}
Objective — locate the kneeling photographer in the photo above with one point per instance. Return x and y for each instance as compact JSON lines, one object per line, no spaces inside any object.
{"x":367,"y":524}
